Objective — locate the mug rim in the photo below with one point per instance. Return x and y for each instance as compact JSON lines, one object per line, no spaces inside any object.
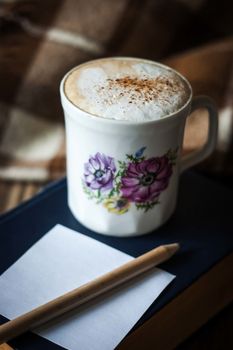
{"x":110,"y":121}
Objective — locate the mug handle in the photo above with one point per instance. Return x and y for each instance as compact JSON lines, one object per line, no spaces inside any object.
{"x":195,"y":157}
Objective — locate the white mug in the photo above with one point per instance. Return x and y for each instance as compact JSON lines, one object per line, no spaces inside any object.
{"x":123,"y":176}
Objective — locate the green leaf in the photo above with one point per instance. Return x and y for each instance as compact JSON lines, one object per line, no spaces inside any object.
{"x":172,"y":155}
{"x":111,"y":193}
{"x":146,"y":206}
{"x":93,"y":194}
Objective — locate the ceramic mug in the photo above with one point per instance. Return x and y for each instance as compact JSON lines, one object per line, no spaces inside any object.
{"x":123,"y":176}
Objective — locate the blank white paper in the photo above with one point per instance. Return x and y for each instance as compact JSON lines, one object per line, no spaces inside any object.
{"x":63,"y":260}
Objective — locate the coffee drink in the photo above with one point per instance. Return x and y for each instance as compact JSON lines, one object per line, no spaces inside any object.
{"x":125,"y":121}
{"x":126,"y":89}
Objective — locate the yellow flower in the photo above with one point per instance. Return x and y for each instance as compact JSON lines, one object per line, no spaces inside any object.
{"x":117,"y":205}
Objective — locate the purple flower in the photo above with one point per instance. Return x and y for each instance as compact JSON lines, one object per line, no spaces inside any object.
{"x":99,"y":172}
{"x":145,"y":180}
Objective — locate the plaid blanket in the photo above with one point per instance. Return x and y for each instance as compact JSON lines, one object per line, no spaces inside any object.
{"x":40,"y":42}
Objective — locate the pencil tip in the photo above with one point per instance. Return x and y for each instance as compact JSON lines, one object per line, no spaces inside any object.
{"x":172,"y":248}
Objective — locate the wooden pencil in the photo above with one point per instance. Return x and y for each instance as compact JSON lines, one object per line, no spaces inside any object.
{"x":67,"y":302}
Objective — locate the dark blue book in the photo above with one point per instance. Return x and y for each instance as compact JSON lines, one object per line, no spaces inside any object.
{"x":202,"y":224}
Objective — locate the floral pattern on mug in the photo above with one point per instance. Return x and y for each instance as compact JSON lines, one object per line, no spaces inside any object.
{"x":137,"y":180}
{"x":99,"y":172}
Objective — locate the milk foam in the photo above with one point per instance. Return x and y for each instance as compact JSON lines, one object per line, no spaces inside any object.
{"x":127,"y":89}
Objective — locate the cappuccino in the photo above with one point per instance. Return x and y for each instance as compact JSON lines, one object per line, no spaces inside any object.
{"x":126,"y":89}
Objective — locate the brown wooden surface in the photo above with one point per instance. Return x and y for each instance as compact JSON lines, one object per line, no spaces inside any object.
{"x":5,"y":347}
{"x":189,"y":311}
{"x":13,"y":193}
